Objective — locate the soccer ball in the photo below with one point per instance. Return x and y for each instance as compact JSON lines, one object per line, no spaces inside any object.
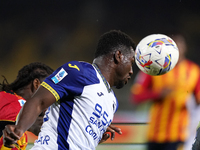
{"x":156,"y":54}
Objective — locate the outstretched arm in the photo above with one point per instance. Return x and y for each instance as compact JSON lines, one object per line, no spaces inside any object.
{"x":41,"y":100}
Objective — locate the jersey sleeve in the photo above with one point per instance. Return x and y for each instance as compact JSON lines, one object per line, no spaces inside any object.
{"x":70,"y":79}
{"x":141,"y":89}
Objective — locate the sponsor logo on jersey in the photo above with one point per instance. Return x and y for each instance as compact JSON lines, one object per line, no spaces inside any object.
{"x":59,"y":76}
{"x":74,"y":66}
{"x":21,"y":102}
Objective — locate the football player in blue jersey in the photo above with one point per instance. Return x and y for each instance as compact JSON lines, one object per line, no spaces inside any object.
{"x":79,"y":98}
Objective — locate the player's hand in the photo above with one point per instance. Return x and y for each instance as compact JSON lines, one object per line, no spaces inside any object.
{"x":112,"y":129}
{"x":105,"y":137}
{"x":11,"y":135}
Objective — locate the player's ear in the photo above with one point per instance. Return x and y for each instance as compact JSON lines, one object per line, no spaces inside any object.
{"x":35,"y":84}
{"x":118,"y":57}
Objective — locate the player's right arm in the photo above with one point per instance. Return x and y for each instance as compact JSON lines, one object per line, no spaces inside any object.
{"x":41,"y":100}
{"x":69,"y":78}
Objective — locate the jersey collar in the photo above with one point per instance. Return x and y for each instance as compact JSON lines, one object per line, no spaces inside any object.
{"x":104,"y":80}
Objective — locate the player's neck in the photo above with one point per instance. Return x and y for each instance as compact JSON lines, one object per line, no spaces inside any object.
{"x":105,"y":66}
{"x":181,"y":59}
{"x":25,"y":92}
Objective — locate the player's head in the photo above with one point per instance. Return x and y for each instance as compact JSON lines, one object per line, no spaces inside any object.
{"x":115,"y":50}
{"x":181,"y":44}
{"x":112,"y":41}
{"x":30,"y":75}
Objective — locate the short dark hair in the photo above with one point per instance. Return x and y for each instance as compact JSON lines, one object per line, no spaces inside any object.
{"x":112,"y":40}
{"x":26,"y":75}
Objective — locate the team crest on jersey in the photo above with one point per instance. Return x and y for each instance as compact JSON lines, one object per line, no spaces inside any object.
{"x":59,"y":76}
{"x":21,"y":102}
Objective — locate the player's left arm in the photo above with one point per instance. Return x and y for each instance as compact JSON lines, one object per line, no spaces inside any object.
{"x":141,"y":90}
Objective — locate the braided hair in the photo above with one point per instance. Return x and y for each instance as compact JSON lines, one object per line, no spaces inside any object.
{"x":26,"y":75}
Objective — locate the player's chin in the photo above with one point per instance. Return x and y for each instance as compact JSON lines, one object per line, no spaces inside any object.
{"x":121,"y":85}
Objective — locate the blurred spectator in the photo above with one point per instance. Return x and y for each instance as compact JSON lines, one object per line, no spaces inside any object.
{"x":14,"y":95}
{"x":169,"y":116}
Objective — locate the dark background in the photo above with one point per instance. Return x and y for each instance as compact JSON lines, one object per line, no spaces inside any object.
{"x":55,"y":32}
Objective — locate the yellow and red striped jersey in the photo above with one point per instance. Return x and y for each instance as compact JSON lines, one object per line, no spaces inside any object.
{"x":10,"y":105}
{"x":169,"y":116}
